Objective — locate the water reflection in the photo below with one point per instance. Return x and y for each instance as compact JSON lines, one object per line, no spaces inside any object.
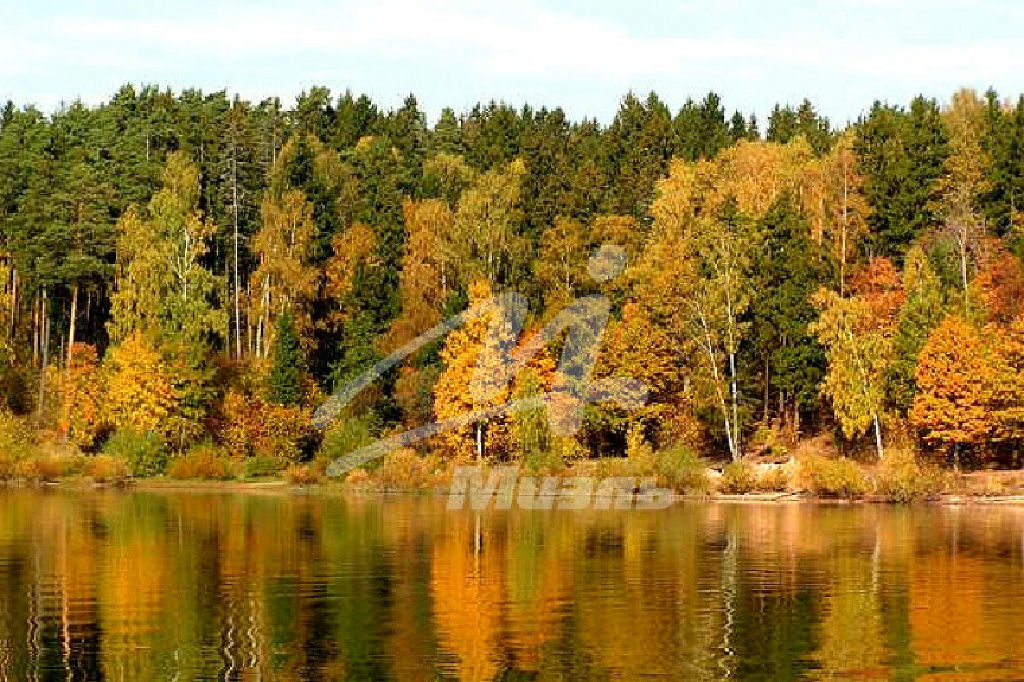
{"x":148,"y":586}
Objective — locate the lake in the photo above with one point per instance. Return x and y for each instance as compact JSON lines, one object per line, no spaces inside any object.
{"x":142,"y":585}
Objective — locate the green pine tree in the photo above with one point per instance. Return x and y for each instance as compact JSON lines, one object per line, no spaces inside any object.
{"x":285,"y":381}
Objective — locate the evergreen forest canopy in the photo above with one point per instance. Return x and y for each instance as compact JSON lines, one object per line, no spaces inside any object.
{"x":198,"y":268}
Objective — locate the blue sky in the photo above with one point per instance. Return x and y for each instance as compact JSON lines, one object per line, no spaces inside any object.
{"x":581,"y":55}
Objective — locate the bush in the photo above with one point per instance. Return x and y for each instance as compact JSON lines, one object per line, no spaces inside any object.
{"x":262,"y":465}
{"x":302,"y":474}
{"x":289,"y":432}
{"x":902,"y":478}
{"x":204,"y":461}
{"x":347,"y":435}
{"x":360,"y":479}
{"x":739,"y":477}
{"x":683,"y":470}
{"x":252,"y":426}
{"x":404,"y":469}
{"x":774,"y":479}
{"x":15,"y":439}
{"x":106,"y":469}
{"x":768,"y":441}
{"x":839,"y":477}
{"x":144,"y":453}
{"x":46,"y":467}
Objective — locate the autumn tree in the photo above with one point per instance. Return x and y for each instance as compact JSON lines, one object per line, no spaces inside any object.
{"x":844,"y":202}
{"x":141,"y":394}
{"x":964,"y":180}
{"x":464,"y":351}
{"x":475,"y":376}
{"x":561,"y":261}
{"x":719,"y":247}
{"x":163,"y":287}
{"x":285,"y":279}
{"x":858,"y":352}
{"x":954,"y":381}
{"x":486,"y":240}
{"x":82,"y":395}
{"x":427,"y":280}
{"x":167,"y":299}
{"x":923,"y":309}
{"x":1007,"y":406}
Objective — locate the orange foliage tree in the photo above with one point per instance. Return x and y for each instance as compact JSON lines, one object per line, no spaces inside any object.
{"x":954,"y":378}
{"x":82,"y":396}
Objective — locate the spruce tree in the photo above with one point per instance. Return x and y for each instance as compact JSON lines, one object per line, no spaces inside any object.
{"x":285,"y":381}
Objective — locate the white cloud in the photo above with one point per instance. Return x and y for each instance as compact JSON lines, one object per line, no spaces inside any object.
{"x":506,"y":42}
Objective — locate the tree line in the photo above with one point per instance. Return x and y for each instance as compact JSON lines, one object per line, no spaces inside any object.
{"x":194,"y":267}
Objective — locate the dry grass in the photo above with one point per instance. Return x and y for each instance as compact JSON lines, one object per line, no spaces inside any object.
{"x":204,"y":462}
{"x":828,"y":477}
{"x":47,"y":467}
{"x":106,"y":469}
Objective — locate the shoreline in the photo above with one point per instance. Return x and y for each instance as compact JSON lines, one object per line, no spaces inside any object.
{"x":280,"y":486}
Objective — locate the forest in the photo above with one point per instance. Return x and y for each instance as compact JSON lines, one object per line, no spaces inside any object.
{"x":185,"y":277}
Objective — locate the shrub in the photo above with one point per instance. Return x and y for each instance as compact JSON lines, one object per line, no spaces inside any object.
{"x":82,"y":402}
{"x":262,"y":465}
{"x":106,"y":469}
{"x":302,"y":474}
{"x":739,"y":477}
{"x":204,"y":461}
{"x":405,"y":469}
{"x":902,"y":478}
{"x":46,"y":467}
{"x":360,"y":479}
{"x":17,"y":385}
{"x":768,"y":441}
{"x":773,"y":479}
{"x":683,"y":470}
{"x":15,"y":438}
{"x":840,"y":477}
{"x":347,"y":435}
{"x":144,"y":453}
{"x":241,"y":424}
{"x":252,"y":426}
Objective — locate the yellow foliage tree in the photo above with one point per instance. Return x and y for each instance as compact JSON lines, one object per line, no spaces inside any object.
{"x":284,"y":279}
{"x":473,"y":378}
{"x":141,"y":394}
{"x":426,"y":278}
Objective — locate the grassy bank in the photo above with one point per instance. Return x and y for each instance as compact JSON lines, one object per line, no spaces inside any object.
{"x":901,"y":477}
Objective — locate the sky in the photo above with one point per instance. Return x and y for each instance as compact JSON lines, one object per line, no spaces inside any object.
{"x":582,"y":55}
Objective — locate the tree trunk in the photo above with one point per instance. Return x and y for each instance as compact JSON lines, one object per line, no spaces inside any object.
{"x":234,"y":202}
{"x":963,"y":273}
{"x":479,"y":441}
{"x":734,"y":392}
{"x":14,"y":302}
{"x":71,"y":324}
{"x":35,"y":331}
{"x":45,"y":343}
{"x":767,"y":397}
{"x":878,"y":438}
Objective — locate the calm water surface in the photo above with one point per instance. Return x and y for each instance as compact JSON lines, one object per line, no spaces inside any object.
{"x":183,"y":586}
